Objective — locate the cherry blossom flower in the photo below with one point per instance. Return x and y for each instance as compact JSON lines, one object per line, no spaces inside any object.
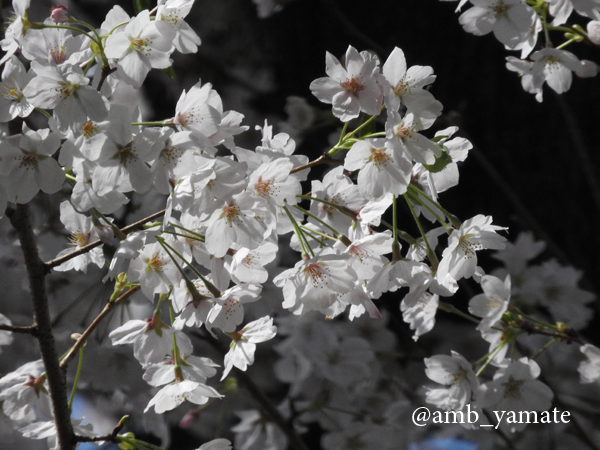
{"x":152,"y":339}
{"x":255,"y":432}
{"x":455,"y":372}
{"x":525,"y":71}
{"x":173,"y":395}
{"x":155,"y":270}
{"x":169,"y":15}
{"x":24,"y":393}
{"x":515,"y":388}
{"x":228,"y":310}
{"x":28,"y":165}
{"x":139,"y":48}
{"x":382,"y":168}
{"x":13,"y":102}
{"x":421,"y":316}
{"x":556,"y":288}
{"x":459,"y":259}
{"x":315,"y":283}
{"x":509,"y":20}
{"x":66,"y":90}
{"x":405,"y":86}
{"x":554,"y":67}
{"x":248,"y":266}
{"x":338,"y":189}
{"x":350,"y":89}
{"x":16,"y":30}
{"x":55,"y":46}
{"x":272,"y":181}
{"x":189,"y":367}
{"x":47,"y":430}
{"x":195,"y":110}
{"x":245,"y":220}
{"x":243,"y":343}
{"x":562,"y":9}
{"x":120,"y":156}
{"x":493,"y":303}
{"x":82,"y":233}
{"x":590,"y":368}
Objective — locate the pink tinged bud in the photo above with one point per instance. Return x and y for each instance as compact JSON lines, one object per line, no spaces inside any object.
{"x":189,"y":418}
{"x":60,"y":14}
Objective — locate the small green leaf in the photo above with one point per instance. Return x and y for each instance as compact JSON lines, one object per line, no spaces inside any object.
{"x":440,"y":163}
{"x":140,"y":5}
{"x":170,"y":73}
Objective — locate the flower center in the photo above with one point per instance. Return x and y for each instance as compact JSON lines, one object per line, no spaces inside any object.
{"x":499,"y":9}
{"x":89,"y":129}
{"x":379,"y":157}
{"x":264,"y":188}
{"x":230,"y":213}
{"x":155,"y":263}
{"x":353,"y":85}
{"x":10,"y":90}
{"x":512,"y":388}
{"x":468,"y":248}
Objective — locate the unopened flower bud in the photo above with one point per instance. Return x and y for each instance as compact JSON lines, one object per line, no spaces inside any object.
{"x":593,"y":29}
{"x":60,"y":14}
{"x":587,"y":69}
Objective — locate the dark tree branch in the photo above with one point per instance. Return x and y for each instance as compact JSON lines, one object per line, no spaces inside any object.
{"x":36,"y":272}
{"x":108,"y":308}
{"x":31,"y":329}
{"x":86,"y":248}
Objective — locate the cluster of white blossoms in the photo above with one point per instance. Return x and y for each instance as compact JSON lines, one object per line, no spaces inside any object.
{"x":517,"y":24}
{"x":227,"y":211}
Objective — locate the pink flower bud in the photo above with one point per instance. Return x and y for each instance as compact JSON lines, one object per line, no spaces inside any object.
{"x":59,"y":14}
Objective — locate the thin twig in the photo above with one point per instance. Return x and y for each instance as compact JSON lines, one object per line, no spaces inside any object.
{"x":31,"y":329}
{"x":587,"y":165}
{"x":246,"y":382}
{"x":86,"y":248}
{"x":320,"y":160}
{"x":108,"y":308}
{"x":36,"y":271}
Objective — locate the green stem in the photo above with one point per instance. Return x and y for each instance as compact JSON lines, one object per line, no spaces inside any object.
{"x":340,"y":208}
{"x":454,"y":310}
{"x":73,"y":29}
{"x":44,"y":112}
{"x":416,"y":191}
{"x":564,"y":44}
{"x":317,"y":233}
{"x":299,"y":233}
{"x":198,"y":235}
{"x":544,"y":348}
{"x":337,"y":234}
{"x":211,"y":287}
{"x":430,"y":253}
{"x":401,"y":234}
{"x":79,"y":365}
{"x":342,"y":134}
{"x":491,"y":356}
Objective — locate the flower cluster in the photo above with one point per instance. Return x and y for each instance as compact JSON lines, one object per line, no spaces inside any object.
{"x":517,"y":24}
{"x":203,"y":270}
